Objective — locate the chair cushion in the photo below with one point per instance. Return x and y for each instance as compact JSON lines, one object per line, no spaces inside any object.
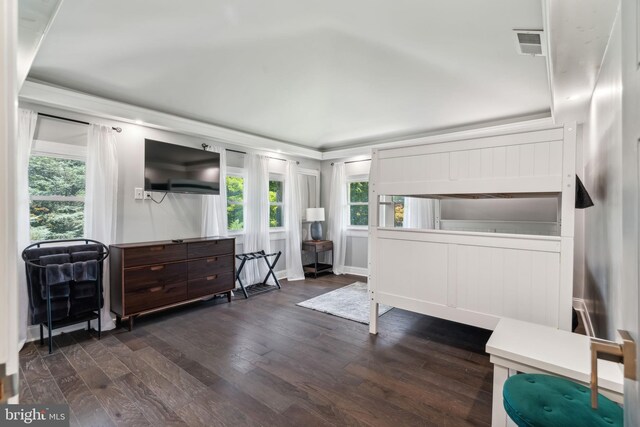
{"x":544,"y":400}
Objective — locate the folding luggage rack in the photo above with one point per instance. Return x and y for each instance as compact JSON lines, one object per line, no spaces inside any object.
{"x":249,"y":256}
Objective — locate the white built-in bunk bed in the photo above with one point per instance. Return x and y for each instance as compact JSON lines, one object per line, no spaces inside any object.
{"x":473,"y":277}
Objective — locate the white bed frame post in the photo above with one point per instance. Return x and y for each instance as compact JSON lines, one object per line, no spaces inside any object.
{"x":374,"y":210}
{"x":567,"y":215}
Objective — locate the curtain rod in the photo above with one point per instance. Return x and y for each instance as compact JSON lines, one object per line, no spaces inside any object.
{"x":244,"y":152}
{"x":354,"y":161}
{"x":117,"y":129}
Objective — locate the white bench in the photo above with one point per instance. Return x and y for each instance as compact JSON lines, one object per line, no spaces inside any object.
{"x":517,"y":346}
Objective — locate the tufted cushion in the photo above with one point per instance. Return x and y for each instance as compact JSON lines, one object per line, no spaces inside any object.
{"x":534,"y":400}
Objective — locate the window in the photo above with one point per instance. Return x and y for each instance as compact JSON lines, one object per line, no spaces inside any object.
{"x":276,"y":191}
{"x":358,"y":203}
{"x":235,"y":202}
{"x":56,"y":190}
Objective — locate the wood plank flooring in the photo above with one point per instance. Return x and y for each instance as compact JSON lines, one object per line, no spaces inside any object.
{"x":266,"y":362}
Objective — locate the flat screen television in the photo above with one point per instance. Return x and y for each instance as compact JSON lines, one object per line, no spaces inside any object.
{"x":178,"y":169}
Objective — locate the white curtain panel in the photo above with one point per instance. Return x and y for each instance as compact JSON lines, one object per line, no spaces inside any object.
{"x":293,"y":223}
{"x":419,"y":213}
{"x":27,"y":120}
{"x":214,"y":208}
{"x":256,"y":237}
{"x":338,"y":217}
{"x":100,"y":208}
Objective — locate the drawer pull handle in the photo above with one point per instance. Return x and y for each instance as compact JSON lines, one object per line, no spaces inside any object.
{"x":212,"y":260}
{"x":211,"y":277}
{"x":156,"y":248}
{"x":156,"y":289}
{"x":157,"y":267}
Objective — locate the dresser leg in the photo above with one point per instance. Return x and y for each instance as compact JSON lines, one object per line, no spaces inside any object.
{"x":229,"y":296}
{"x":130,"y":323}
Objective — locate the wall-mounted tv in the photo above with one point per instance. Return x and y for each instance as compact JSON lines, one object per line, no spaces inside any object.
{"x":180,"y":169}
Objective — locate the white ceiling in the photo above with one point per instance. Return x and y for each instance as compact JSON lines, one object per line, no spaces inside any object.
{"x":580,"y":31}
{"x":323,"y":74}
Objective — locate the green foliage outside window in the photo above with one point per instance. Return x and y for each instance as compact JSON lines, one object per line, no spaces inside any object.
{"x":235,"y":200}
{"x":61,"y":179}
{"x":358,"y":203}
{"x":275,"y":204}
{"x":398,"y":211}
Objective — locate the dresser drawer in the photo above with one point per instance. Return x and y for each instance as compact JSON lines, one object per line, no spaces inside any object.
{"x":155,"y":254}
{"x":213,"y":284}
{"x":137,"y":278}
{"x":211,"y":265}
{"x":317,"y":247}
{"x":154,"y":297}
{"x":210,"y":248}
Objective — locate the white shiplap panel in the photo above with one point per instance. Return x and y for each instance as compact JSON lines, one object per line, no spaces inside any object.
{"x":486,"y":163}
{"x":454,"y":165}
{"x":541,"y":159}
{"x":511,"y":284}
{"x":540,"y":287}
{"x":507,"y":282}
{"x":474,"y":143}
{"x":397,"y":261}
{"x":553,"y":291}
{"x":555,"y":158}
{"x":452,"y":286}
{"x":524,"y":280}
{"x":526,"y":160}
{"x":513,"y":161}
{"x":499,"y":162}
{"x":463,"y":165}
{"x":496,"y":286}
{"x":475,"y":159}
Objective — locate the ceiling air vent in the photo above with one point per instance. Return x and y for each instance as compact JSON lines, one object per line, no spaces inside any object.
{"x":530,"y":42}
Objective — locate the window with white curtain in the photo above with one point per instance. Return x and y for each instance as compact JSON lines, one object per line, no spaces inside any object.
{"x":57,"y":177}
{"x":276,"y":197}
{"x":236,"y":200}
{"x":358,"y":202}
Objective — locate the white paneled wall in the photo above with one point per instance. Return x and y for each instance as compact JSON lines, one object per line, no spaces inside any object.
{"x":531,"y":162}
{"x":511,"y":283}
{"x":492,"y":275}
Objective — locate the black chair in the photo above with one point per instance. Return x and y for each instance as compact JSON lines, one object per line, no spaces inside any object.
{"x":65,"y":302}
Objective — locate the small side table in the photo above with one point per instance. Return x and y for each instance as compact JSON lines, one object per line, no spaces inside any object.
{"x":317,"y":246}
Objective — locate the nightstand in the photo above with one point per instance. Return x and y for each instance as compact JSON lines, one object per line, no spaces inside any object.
{"x":317,"y":246}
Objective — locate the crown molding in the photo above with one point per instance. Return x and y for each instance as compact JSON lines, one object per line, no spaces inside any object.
{"x":66,"y":99}
{"x":78,"y":102}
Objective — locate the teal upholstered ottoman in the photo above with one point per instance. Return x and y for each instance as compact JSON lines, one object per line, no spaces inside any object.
{"x":544,"y":400}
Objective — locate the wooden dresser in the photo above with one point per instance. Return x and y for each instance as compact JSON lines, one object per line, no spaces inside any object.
{"x":152,"y":276}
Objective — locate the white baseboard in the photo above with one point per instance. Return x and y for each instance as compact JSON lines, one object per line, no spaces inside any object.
{"x":580,"y":306}
{"x":356,"y":271}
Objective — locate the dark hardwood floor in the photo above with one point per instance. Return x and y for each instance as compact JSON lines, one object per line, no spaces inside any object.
{"x":265,"y":361}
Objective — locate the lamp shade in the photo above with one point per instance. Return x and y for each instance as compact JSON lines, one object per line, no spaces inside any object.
{"x":315,"y":214}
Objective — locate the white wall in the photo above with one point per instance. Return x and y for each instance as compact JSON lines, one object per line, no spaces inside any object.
{"x":603,"y":178}
{"x":179,"y":216}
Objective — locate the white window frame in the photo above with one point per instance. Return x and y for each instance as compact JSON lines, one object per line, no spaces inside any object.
{"x":242,"y":173}
{"x":58,"y":150}
{"x":350,"y":180}
{"x":280,"y":178}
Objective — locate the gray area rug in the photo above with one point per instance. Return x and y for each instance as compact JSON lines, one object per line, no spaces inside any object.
{"x":350,"y":302}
